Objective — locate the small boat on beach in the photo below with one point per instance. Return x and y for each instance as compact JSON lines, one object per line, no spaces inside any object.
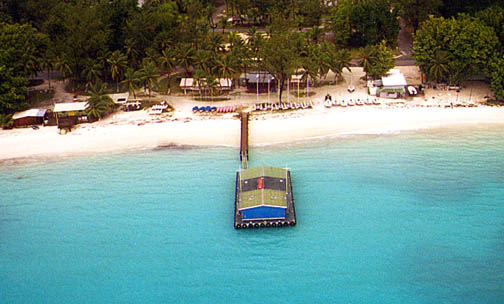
{"x":351,"y":103}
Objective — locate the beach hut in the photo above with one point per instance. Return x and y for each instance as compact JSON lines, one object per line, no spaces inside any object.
{"x":259,"y":82}
{"x":393,"y":85}
{"x":225,"y":84}
{"x":263,"y":193}
{"x":70,"y":114}
{"x":29,"y":117}
{"x":188,"y":84}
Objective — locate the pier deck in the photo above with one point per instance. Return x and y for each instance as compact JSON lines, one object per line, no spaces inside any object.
{"x":269,"y":191}
{"x":244,"y":139}
{"x":263,"y":195}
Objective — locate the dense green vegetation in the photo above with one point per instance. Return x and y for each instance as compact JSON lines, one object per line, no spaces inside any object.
{"x":452,"y":50}
{"x":129,"y":47}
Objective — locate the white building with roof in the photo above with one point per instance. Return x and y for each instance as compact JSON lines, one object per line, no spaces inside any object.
{"x":391,"y":85}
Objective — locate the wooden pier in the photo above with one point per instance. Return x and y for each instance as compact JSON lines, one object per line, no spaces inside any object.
{"x":244,"y":139}
{"x":263,"y":195}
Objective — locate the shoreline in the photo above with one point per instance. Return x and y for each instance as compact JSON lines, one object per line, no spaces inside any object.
{"x":265,"y":129}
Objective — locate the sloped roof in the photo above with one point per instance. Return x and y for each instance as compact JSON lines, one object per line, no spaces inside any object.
{"x":261,"y":77}
{"x":70,"y":106}
{"x":186,"y":82}
{"x":224,"y":82}
{"x":263,"y":171}
{"x":189,"y":82}
{"x":263,"y":197}
{"x":30,"y":113}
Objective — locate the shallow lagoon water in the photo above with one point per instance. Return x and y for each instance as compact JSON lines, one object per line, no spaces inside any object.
{"x":410,"y":217}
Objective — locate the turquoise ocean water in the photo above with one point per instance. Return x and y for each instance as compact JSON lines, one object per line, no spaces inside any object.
{"x":411,"y":217}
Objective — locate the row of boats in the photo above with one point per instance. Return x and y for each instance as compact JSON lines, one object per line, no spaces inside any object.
{"x":228,"y":109}
{"x":283,"y":106}
{"x":358,"y":102}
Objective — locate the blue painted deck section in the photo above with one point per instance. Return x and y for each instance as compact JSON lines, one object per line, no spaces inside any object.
{"x":263,"y":212}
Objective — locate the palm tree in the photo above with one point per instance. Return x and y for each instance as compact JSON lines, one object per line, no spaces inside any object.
{"x":152,"y":55}
{"x":224,"y":22}
{"x":309,"y":71}
{"x":92,"y":71}
{"x":367,"y":58}
{"x":149,"y":74}
{"x":235,"y":40}
{"x":131,"y":79}
{"x":439,"y":67}
{"x":204,"y":60}
{"x":323,"y":63}
{"x":99,"y":103}
{"x":214,"y":41}
{"x":185,"y":56}
{"x":316,"y":34}
{"x":199,"y":77}
{"x":228,"y":66}
{"x":47,"y":63}
{"x":211,"y":84}
{"x":131,"y":51}
{"x":103,"y":56}
{"x":31,"y":65}
{"x":118,"y":62}
{"x":63,"y":67}
{"x":342,"y":59}
{"x":166,"y":60}
{"x":255,"y":41}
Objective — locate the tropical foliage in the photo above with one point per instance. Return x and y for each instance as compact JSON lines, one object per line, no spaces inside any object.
{"x":452,"y":50}
{"x":131,"y":45}
{"x":364,"y":22}
{"x":99,"y":103}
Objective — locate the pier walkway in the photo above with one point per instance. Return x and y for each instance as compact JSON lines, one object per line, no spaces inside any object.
{"x":244,"y":139}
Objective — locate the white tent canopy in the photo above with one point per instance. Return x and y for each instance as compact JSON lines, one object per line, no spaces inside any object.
{"x":394,"y":78}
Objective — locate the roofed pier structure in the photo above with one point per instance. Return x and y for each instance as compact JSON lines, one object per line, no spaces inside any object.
{"x":264,"y":198}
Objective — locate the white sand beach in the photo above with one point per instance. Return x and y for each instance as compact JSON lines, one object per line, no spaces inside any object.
{"x":264,"y":129}
{"x":124,"y":131}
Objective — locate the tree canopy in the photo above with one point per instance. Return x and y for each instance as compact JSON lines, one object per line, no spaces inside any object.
{"x":21,"y":52}
{"x":461,"y":47}
{"x":364,"y":22}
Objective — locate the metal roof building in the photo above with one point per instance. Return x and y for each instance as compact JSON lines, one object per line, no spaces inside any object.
{"x":29,"y":117}
{"x":70,"y":107}
{"x":263,"y":193}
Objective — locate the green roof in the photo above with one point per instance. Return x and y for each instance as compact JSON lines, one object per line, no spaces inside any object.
{"x":263,"y":197}
{"x":263,"y":171}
